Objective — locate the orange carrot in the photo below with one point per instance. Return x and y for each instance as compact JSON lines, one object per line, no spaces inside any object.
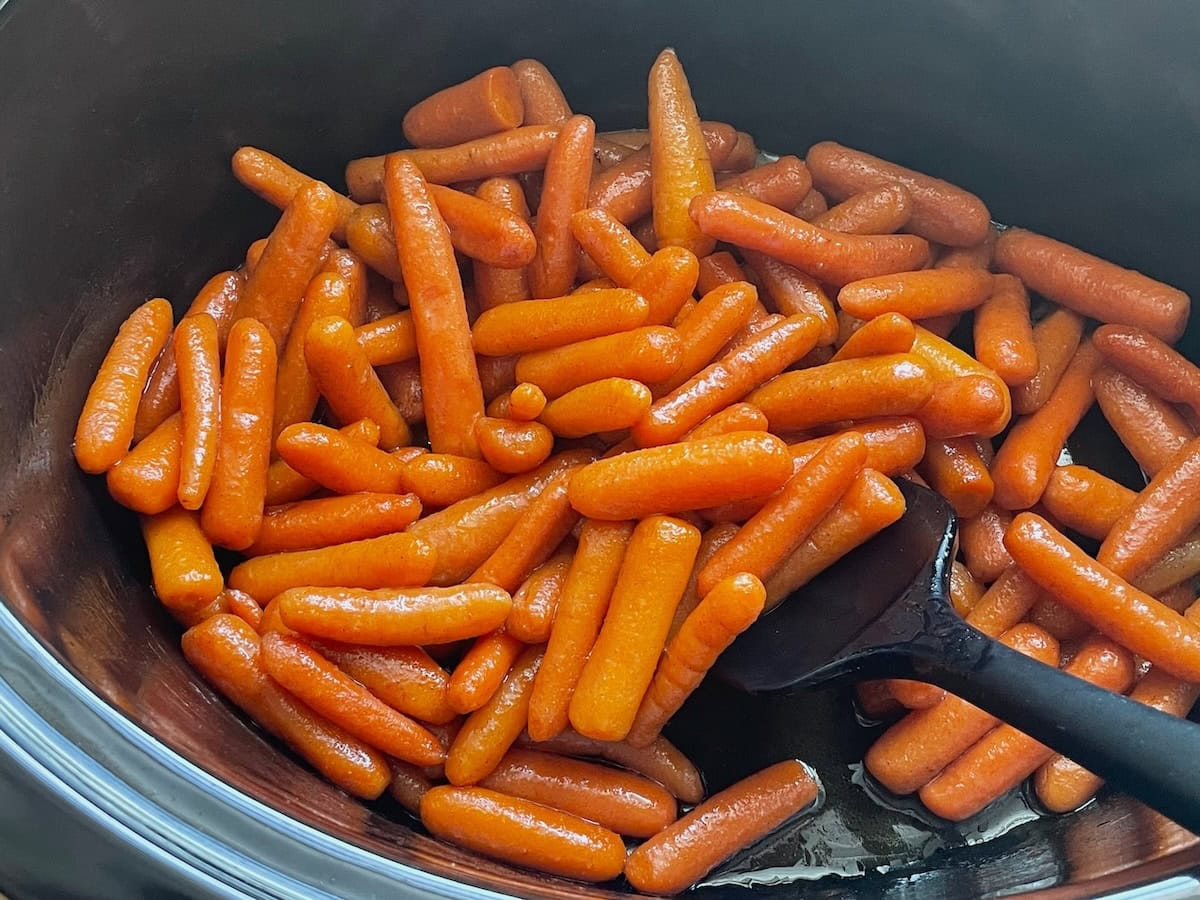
{"x":199,"y":365}
{"x":956,"y":470}
{"x":667,"y":282}
{"x":146,"y":479}
{"x":480,"y":672}
{"x":540,"y":529}
{"x":275,"y":181}
{"x":405,"y":678}
{"x":340,"y":462}
{"x":311,"y":524}
{"x":440,"y":479}
{"x":813,"y":205}
{"x":1150,"y":362}
{"x":512,"y":447}
{"x":525,"y":402}
{"x":881,"y":210}
{"x":782,"y":183}
{"x":981,"y":539}
{"x":541,"y":96}
{"x":1151,"y":429}
{"x":1003,"y":333}
{"x":525,"y":326}
{"x":966,"y":405}
{"x":609,"y":244}
{"x":564,"y":193}
{"x":1086,"y":501}
{"x":286,"y":485}
{"x":536,"y":602}
{"x":184,"y":570}
{"x":494,"y":285}
{"x":1055,"y":340}
{"x":795,"y":293}
{"x":648,"y":355}
{"x":735,"y":417}
{"x":722,"y":312}
{"x":409,"y":784}
{"x":483,"y":105}
{"x":918,"y":295}
{"x":884,"y":334}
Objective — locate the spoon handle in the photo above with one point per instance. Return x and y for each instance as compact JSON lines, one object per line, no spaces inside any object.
{"x":1139,"y":750}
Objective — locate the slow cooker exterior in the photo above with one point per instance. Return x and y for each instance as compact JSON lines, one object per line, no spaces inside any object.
{"x":120,"y":772}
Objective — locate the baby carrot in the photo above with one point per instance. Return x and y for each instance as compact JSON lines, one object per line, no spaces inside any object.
{"x":512,"y":447}
{"x":620,"y":667}
{"x":684,"y":852}
{"x":743,"y":155}
{"x":225,"y":650}
{"x":813,"y":205}
{"x":541,"y":528}
{"x":794,"y":293}
{"x":828,"y":255}
{"x":884,"y":334}
{"x":524,"y":326}
{"x":497,"y":374}
{"x":405,"y":678}
{"x":609,"y":244}
{"x":976,"y":256}
{"x":233,"y":509}
{"x":482,"y":230}
{"x":1085,"y":501}
{"x":340,"y":462}
{"x":483,"y":105}
{"x":409,"y":784}
{"x":489,"y":731}
{"x":956,"y":470}
{"x":286,"y":485}
{"x":1151,"y":429}
{"x":726,"y":611}
{"x":965,"y":591}
{"x":1055,"y":340}
{"x":440,"y":479}
{"x":106,"y":424}
{"x":540,"y":94}
{"x":678,"y":156}
{"x":610,"y":404}
{"x":198,"y":360}
{"x":782,"y":183}
{"x":525,"y":402}
{"x":494,"y":285}
{"x":1145,"y":625}
{"x":721,"y":313}
{"x":678,"y":477}
{"x":564,"y":193}
{"x":1150,"y":362}
{"x":275,"y":181}
{"x":981,"y":539}
{"x":235,"y":603}
{"x":648,"y":355}
{"x":900,"y":384}
{"x":146,"y":479}
{"x":480,"y":672}
{"x":667,"y":282}
{"x":1003,"y":333}
{"x":966,"y":405}
{"x":397,"y":616}
{"x":881,"y":210}
{"x":390,"y":339}
{"x":369,"y":234}
{"x":1092,"y":286}
{"x":918,"y":295}
{"x":735,"y":417}
{"x":941,"y":211}
{"x":712,"y":540}
{"x":1025,"y":460}
{"x":333,"y":520}
{"x":184,"y":570}
{"x":453,"y":397}
{"x":523,"y":833}
{"x":775,"y":532}
{"x":536,"y":601}
{"x":717,"y":269}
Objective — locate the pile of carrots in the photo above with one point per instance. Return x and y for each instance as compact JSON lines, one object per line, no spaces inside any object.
{"x":505,"y":485}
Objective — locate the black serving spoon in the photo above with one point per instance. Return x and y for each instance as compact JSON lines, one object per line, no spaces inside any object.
{"x":882,"y":612}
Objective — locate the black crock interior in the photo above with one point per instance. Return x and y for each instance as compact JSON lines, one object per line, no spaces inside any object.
{"x":118,"y":119}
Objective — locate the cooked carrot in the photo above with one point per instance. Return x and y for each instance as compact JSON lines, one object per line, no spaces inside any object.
{"x":775,"y":532}
{"x":900,"y":384}
{"x":311,"y":524}
{"x":976,"y":256}
{"x":871,"y":504}
{"x":494,"y":285}
{"x":525,"y":326}
{"x":721,"y":314}
{"x":1007,"y":602}
{"x":199,"y":365}
{"x":1150,"y":362}
{"x":275,"y":181}
{"x":942,"y":326}
{"x":735,"y":417}
{"x":1059,"y":620}
{"x":717,"y":269}
{"x":1005,"y":757}
{"x":535,"y":603}
{"x":405,"y":678}
{"x":541,"y":95}
{"x":1055,"y":340}
{"x":1086,"y":501}
{"x":609,"y":243}
{"x":981,"y":539}
{"x":610,"y":404}
{"x":813,"y":205}
{"x":965,"y":590}
{"x":523,"y":833}
{"x":882,"y":210}
{"x":956,"y":470}
{"x":497,"y":374}
{"x":884,"y":334}
{"x":286,"y":485}
{"x":941,"y":211}
{"x":918,"y":295}
{"x":241,"y":605}
{"x":1138,"y":621}
{"x":794,"y":293}
{"x":146,"y":479}
{"x":340,"y":462}
{"x":480,"y":672}
{"x":667,"y":282}
{"x":540,"y":529}
{"x":525,"y":402}
{"x":712,"y":540}
{"x":726,"y":611}
{"x":106,"y":424}
{"x":185,"y":573}
{"x":564,"y":193}
{"x":966,"y":405}
{"x":620,"y":667}
{"x":1151,"y":429}
{"x":782,"y":183}
{"x":684,"y":852}
{"x":1028,"y":455}
{"x":490,"y":730}
{"x":369,"y":234}
{"x":919,"y":746}
{"x":744,"y":155}
{"x":225,"y":650}
{"x":1003,"y":333}
{"x":487,"y":232}
{"x":233,"y":509}
{"x":453,"y":397}
{"x":483,"y":105}
{"x":648,"y":355}
{"x":678,"y":154}
{"x":409,"y":784}
{"x":512,"y":447}
{"x":440,"y":479}
{"x":387,"y":340}
{"x":1092,"y":286}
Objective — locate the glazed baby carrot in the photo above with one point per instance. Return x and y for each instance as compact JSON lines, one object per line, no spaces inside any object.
{"x":483,"y":230}
{"x":881,"y":210}
{"x":497,"y":374}
{"x":610,"y":404}
{"x":198,"y":361}
{"x":941,"y":211}
{"x":793,"y":293}
{"x":919,"y":746}
{"x":782,"y":183}
{"x":1150,"y":428}
{"x":390,"y":339}
{"x":440,"y":479}
{"x":541,"y":95}
{"x":1025,"y":460}
{"x":1092,"y":286}
{"x":1138,"y":621}
{"x":233,"y":509}
{"x":392,"y":560}
{"x":667,"y":282}
{"x":483,"y":105}
{"x":453,"y":397}
{"x":234,"y":602}
{"x":726,"y":611}
{"x":773,"y":533}
{"x":523,"y":833}
{"x":1085,"y":501}
{"x":965,"y":405}
{"x":278,"y":183}
{"x":106,"y":424}
{"x":524,"y":326}
{"x":1055,"y":339}
{"x":884,"y":334}
{"x":717,"y":269}
{"x":976,"y":256}
{"x":480,"y":672}
{"x":512,"y":447}
{"x":712,"y":540}
{"x":286,"y":485}
{"x":871,"y":504}
{"x":397,"y":616}
{"x":654,"y":572}
{"x":918,"y":295}
{"x":900,"y":384}
{"x":494,"y":285}
{"x":405,"y":678}
{"x":226,"y":652}
{"x":727,"y":380}
{"x":369,"y":234}
{"x":743,"y":155}
{"x":1150,"y":362}
{"x":622,"y":801}
{"x":735,"y":417}
{"x":184,"y":570}
{"x":146,"y":479}
{"x":328,"y":691}
{"x":609,"y":244}
{"x":684,"y":852}
{"x":540,"y":529}
{"x":525,"y":402}
{"x":955,"y":469}
{"x":340,"y":462}
{"x":721,"y":313}
{"x":965,"y":591}
{"x":536,"y":601}
{"x":1003,"y":333}
{"x":648,"y":355}
{"x":678,"y":477}
{"x":981,"y":538}
{"x":678,"y":156}
{"x":564,"y":193}
{"x":490,"y":730}
{"x":584,"y":600}
{"x":828,"y":255}
{"x":1161,"y":516}
{"x":409,"y":784}
{"x":813,"y":205}
{"x":333,"y":520}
